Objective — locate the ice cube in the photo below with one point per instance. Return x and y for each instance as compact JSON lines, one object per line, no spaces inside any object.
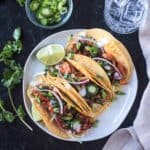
{"x":115,"y":11}
{"x":121,"y":2}
{"x":129,"y":14}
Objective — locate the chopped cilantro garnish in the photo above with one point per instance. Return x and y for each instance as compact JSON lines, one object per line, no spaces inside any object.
{"x":54,"y":73}
{"x":92,"y":49}
{"x":78,"y":45}
{"x":95,"y":123}
{"x":104,"y":94}
{"x":70,"y":55}
{"x":120,"y":93}
{"x":100,"y":101}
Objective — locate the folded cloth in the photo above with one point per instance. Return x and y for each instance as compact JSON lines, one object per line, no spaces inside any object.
{"x":142,"y":122}
{"x":137,"y":137}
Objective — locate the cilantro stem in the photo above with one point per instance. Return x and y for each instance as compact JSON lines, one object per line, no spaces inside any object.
{"x":2,"y":108}
{"x":15,"y":110}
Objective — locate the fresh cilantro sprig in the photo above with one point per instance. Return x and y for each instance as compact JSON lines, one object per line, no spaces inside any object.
{"x":11,"y":47}
{"x":5,"y":115}
{"x":19,"y":112}
{"x":12,"y":75}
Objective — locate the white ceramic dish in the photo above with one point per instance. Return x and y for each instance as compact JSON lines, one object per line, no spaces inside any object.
{"x":110,"y":120}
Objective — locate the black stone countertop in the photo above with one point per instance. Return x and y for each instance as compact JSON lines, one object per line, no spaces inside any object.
{"x":86,"y":14}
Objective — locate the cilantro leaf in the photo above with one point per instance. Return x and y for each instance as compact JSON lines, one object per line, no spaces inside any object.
{"x":5,"y":115}
{"x":70,"y":55}
{"x":120,"y":93}
{"x":104,"y":94}
{"x":12,"y":75}
{"x":16,"y":47}
{"x":92,"y":49}
{"x":1,"y":117}
{"x":6,"y":52}
{"x":20,"y":111}
{"x":8,"y":116}
{"x":9,"y":49}
{"x":46,"y":69}
{"x":54,"y":72}
{"x":1,"y":103}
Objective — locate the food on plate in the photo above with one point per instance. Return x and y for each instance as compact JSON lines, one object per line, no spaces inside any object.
{"x":51,"y":54}
{"x":93,"y":69}
{"x":49,"y":12}
{"x":108,"y":52}
{"x":35,"y":114}
{"x":75,"y":73}
{"x":80,"y":81}
{"x":90,"y":96}
{"x":60,"y":114}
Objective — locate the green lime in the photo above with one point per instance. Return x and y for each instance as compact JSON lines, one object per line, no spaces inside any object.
{"x":35,"y":114}
{"x":51,"y":54}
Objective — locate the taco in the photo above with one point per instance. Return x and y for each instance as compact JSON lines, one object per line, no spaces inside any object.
{"x":60,"y":114}
{"x":108,"y":52}
{"x":86,"y":94}
{"x":76,"y":73}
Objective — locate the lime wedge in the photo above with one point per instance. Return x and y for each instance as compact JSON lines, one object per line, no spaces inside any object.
{"x":35,"y":114}
{"x":51,"y":54}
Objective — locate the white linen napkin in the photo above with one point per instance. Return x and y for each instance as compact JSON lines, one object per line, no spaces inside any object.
{"x":137,"y":137}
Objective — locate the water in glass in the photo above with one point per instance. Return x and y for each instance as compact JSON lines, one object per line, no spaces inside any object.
{"x":124,"y":16}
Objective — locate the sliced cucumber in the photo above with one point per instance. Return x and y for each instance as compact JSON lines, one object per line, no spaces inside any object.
{"x":52,"y":10}
{"x":44,"y":21}
{"x":63,"y":10}
{"x":34,"y":5}
{"x":46,"y":11}
{"x":92,"y":89}
{"x":39,"y":15}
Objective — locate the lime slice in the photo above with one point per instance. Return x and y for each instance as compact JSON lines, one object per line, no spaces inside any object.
{"x":35,"y":114}
{"x":51,"y":54}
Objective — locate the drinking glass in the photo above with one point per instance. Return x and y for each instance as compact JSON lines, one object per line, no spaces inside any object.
{"x":124,"y":16}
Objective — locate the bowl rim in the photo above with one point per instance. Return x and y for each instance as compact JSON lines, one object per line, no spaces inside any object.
{"x":59,"y":24}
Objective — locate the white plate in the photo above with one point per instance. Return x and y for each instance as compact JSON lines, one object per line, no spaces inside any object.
{"x":109,"y":121}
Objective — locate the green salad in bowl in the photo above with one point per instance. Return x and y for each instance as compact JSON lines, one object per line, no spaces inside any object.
{"x":49,"y":14}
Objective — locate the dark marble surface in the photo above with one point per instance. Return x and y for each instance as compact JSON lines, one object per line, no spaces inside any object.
{"x":86,"y":14}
